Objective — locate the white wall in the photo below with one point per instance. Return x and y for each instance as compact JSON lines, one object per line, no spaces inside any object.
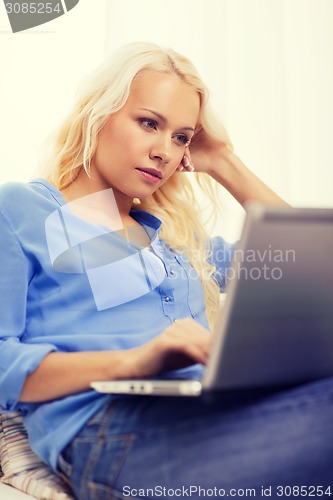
{"x":40,"y":70}
{"x":268,"y":64}
{"x":278,"y":78}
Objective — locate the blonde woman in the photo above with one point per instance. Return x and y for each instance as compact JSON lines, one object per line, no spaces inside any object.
{"x":108,"y":273}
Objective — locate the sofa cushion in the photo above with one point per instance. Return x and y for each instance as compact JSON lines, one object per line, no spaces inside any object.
{"x":21,"y":467}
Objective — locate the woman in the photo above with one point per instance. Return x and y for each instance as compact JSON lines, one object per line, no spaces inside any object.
{"x":107,"y":273}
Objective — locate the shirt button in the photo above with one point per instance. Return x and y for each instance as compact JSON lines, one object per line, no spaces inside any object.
{"x":167,"y":299}
{"x":172,"y":272}
{"x":161,"y":250}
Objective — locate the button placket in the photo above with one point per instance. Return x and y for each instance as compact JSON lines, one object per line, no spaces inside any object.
{"x":195,"y":297}
{"x":166,"y":288}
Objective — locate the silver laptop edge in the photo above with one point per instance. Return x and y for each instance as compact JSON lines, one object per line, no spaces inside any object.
{"x":150,"y":387}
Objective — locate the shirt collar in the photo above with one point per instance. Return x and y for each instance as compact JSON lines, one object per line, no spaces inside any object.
{"x":146,"y":219}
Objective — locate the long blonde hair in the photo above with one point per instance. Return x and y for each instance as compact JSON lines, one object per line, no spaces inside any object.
{"x":105,"y":92}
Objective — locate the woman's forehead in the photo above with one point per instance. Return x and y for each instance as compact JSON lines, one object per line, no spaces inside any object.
{"x":165,"y":93}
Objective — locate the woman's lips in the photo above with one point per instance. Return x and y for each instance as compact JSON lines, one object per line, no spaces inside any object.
{"x":151,"y":175}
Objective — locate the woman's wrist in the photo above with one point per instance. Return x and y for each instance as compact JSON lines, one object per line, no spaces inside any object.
{"x":229,"y":171}
{"x":120,"y":364}
{"x":137,"y":362}
{"x":224,"y":166}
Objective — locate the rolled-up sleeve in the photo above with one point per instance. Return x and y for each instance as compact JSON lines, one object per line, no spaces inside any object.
{"x":17,"y":359}
{"x":221,"y":256}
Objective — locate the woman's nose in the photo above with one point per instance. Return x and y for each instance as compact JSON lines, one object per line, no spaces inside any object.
{"x":161,"y":150}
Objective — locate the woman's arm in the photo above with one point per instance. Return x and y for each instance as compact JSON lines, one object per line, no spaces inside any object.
{"x":242,"y":184}
{"x":215,"y":158}
{"x":60,"y":374}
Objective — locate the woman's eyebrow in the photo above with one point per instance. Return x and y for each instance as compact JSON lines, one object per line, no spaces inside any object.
{"x":163,"y":118}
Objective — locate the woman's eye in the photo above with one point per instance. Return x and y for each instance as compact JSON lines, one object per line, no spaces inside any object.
{"x":183,"y":139}
{"x":148,"y":123}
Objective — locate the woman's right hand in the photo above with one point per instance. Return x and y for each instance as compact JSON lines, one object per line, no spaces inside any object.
{"x":61,"y":374}
{"x":182,"y":344}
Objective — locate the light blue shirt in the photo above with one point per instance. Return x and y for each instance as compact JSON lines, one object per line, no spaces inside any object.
{"x":62,"y":289}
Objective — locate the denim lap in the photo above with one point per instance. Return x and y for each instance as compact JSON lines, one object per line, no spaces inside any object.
{"x":93,"y":456}
{"x":240,"y":440}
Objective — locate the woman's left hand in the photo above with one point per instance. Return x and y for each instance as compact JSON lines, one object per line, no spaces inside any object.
{"x":204,"y":154}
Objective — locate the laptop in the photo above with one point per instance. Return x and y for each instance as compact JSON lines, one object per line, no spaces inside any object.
{"x":276,"y":326}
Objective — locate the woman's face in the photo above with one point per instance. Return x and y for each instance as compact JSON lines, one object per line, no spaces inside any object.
{"x":142,"y":145}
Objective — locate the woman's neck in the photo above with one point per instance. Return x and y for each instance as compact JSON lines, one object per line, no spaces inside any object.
{"x":106,"y":206}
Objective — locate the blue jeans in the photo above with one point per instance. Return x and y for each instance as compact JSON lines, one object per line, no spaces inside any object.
{"x":240,"y":444}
